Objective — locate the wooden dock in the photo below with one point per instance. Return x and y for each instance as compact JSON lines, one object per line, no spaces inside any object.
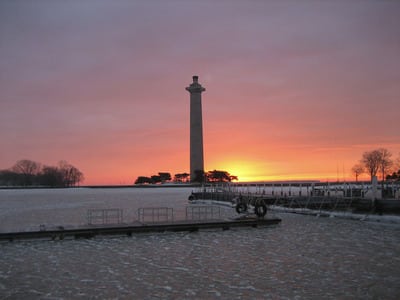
{"x":130,"y":229}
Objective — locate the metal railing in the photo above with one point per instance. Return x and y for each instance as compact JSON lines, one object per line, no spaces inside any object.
{"x":155,"y":214}
{"x":203,"y":212}
{"x":104,"y":216}
{"x":299,"y":189}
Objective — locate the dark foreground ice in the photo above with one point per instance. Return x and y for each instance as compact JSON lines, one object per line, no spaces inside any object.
{"x":304,"y":257}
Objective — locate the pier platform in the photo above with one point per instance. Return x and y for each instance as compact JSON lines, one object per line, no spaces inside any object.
{"x":135,"y":228}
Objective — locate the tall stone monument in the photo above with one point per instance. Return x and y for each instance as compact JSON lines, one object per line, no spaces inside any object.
{"x":196,"y":128}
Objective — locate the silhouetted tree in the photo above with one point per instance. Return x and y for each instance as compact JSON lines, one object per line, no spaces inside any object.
{"x":164,"y":176}
{"x":234,"y":177}
{"x":357,"y":170}
{"x":220,"y":176}
{"x":51,"y":176}
{"x":143,"y":180}
{"x":385,"y":162}
{"x":10,"y":178}
{"x":378,"y":160}
{"x":395,"y":176}
{"x":397,"y":162}
{"x":26,"y":172}
{"x":371,"y":162}
{"x":181,"y":177}
{"x":71,"y":175}
{"x":28,"y":169}
{"x":155,"y":179}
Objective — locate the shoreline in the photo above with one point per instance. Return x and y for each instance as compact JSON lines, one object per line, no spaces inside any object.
{"x":101,"y":186}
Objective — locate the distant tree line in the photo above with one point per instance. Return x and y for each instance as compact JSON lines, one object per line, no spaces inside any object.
{"x":154,"y":179}
{"x":200,"y":176}
{"x":378,"y":162}
{"x":214,"y":176}
{"x":395,"y":176}
{"x":30,"y":173}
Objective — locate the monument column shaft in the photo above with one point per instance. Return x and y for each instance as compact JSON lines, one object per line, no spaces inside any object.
{"x":196,"y":134}
{"x":196,"y":128}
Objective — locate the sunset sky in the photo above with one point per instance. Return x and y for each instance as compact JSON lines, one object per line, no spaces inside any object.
{"x":294,"y":89}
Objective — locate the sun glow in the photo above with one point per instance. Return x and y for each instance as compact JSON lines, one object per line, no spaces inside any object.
{"x":260,"y":171}
{"x":245,"y":170}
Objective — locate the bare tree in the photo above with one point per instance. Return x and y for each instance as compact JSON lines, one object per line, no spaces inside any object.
{"x":51,"y":176}
{"x":28,"y":169}
{"x":357,"y":170}
{"x":371,"y":162}
{"x":385,"y":162}
{"x":397,"y":162}
{"x":378,"y":160}
{"x":71,"y":175}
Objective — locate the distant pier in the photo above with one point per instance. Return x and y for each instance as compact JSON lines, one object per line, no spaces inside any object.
{"x":354,"y":197}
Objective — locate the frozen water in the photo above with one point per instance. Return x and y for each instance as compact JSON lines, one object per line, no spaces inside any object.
{"x":22,"y":210}
{"x":302,"y":258}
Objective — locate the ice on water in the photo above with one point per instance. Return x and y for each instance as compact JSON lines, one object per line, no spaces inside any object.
{"x":302,"y":258}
